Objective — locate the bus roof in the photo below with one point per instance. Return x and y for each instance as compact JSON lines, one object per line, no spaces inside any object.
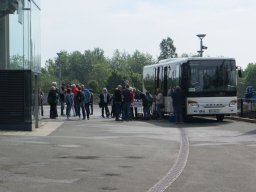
{"x":186,"y":59}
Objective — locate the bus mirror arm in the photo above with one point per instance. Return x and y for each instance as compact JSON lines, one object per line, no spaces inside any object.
{"x":239,"y":71}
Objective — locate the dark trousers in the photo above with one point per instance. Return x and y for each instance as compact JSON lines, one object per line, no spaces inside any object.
{"x":178,"y":113}
{"x":126,"y":110}
{"x":81,"y":105}
{"x":87,"y":109}
{"x":118,"y":109}
{"x":146,"y":111}
{"x":104,"y":107}
{"x":91,"y":110}
{"x":53,"y":111}
{"x":68,"y":109}
{"x":62,"y":107}
{"x":42,"y":109}
{"x":76,"y":108}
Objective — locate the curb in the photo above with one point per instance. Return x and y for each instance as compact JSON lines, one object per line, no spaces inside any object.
{"x":248,"y":120}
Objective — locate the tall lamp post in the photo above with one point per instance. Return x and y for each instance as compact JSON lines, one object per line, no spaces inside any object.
{"x":202,"y":47}
{"x":59,"y":63}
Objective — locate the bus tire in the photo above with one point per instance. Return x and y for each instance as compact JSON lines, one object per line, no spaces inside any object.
{"x":219,"y":118}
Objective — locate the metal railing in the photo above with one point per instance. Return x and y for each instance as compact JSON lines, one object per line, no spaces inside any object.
{"x":247,"y":107}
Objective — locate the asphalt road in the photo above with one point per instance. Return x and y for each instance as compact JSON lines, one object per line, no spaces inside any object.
{"x":105,"y":155}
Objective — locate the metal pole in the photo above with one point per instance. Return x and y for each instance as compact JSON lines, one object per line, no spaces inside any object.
{"x":36,"y":106}
{"x":242,"y":107}
{"x":59,"y":63}
{"x":59,"y":73}
{"x":201,"y":47}
{"x":201,"y":36}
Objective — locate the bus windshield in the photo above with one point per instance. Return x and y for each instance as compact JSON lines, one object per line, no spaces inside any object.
{"x":212,"y":77}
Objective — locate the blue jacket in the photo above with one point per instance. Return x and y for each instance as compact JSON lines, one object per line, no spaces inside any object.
{"x":87,"y":95}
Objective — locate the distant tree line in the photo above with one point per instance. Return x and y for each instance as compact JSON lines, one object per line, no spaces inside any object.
{"x":97,"y":71}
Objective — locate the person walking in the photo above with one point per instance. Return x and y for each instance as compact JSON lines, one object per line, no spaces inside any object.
{"x":178,"y":101}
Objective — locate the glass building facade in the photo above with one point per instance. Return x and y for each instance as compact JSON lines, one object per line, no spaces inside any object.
{"x":20,"y":46}
{"x":24,"y":37}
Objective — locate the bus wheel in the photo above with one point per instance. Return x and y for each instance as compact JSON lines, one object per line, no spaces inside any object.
{"x":220,"y":117}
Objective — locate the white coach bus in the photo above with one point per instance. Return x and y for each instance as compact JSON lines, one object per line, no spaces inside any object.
{"x":210,"y":84}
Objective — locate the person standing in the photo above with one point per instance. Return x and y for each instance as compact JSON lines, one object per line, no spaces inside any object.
{"x":91,"y":101}
{"x":145,"y":104}
{"x":80,"y":103}
{"x":178,"y":102}
{"x":57,"y":95}
{"x":104,"y":101}
{"x":69,"y":101}
{"x":126,"y":105}
{"x":118,"y":102}
{"x":150,"y":103}
{"x":52,"y":99}
{"x":87,"y":94}
{"x":159,"y":99}
{"x":41,"y":101}
{"x":62,"y":100}
{"x":74,"y":91}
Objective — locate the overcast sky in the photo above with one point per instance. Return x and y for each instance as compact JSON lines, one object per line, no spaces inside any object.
{"x":129,"y":25}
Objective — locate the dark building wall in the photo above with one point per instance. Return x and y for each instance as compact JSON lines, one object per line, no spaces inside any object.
{"x":15,"y":100}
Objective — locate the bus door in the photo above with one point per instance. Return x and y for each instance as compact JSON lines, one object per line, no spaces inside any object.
{"x":156,"y":79}
{"x":166,"y":90}
{"x":159,"y":78}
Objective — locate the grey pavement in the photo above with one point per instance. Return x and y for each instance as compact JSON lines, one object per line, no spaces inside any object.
{"x":88,"y":155}
{"x":152,"y":156}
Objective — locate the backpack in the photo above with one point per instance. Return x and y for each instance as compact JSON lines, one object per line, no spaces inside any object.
{"x":130,"y":96}
{"x":79,"y":97}
{"x":69,"y":99}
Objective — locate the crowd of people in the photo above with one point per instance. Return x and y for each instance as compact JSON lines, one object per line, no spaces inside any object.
{"x":76,"y":97}
{"x":79,"y":100}
{"x":124,"y":102}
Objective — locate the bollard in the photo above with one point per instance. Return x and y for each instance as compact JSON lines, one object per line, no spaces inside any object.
{"x":242,"y":111}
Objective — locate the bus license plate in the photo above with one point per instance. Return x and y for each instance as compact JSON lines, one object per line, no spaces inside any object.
{"x":214,"y":110}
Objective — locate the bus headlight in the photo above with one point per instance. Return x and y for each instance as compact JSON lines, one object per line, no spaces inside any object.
{"x":232,"y":103}
{"x":193,"y":103}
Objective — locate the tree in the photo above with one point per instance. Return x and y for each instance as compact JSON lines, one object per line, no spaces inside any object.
{"x":94,"y":86}
{"x":116,"y":78}
{"x":168,"y":50}
{"x":95,"y":70}
{"x":16,"y":62}
{"x":250,"y":74}
{"x":248,"y":79}
{"x":46,"y":79}
{"x":138,"y":60}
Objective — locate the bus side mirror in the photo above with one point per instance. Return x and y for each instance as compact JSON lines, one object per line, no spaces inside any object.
{"x":240,"y":73}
